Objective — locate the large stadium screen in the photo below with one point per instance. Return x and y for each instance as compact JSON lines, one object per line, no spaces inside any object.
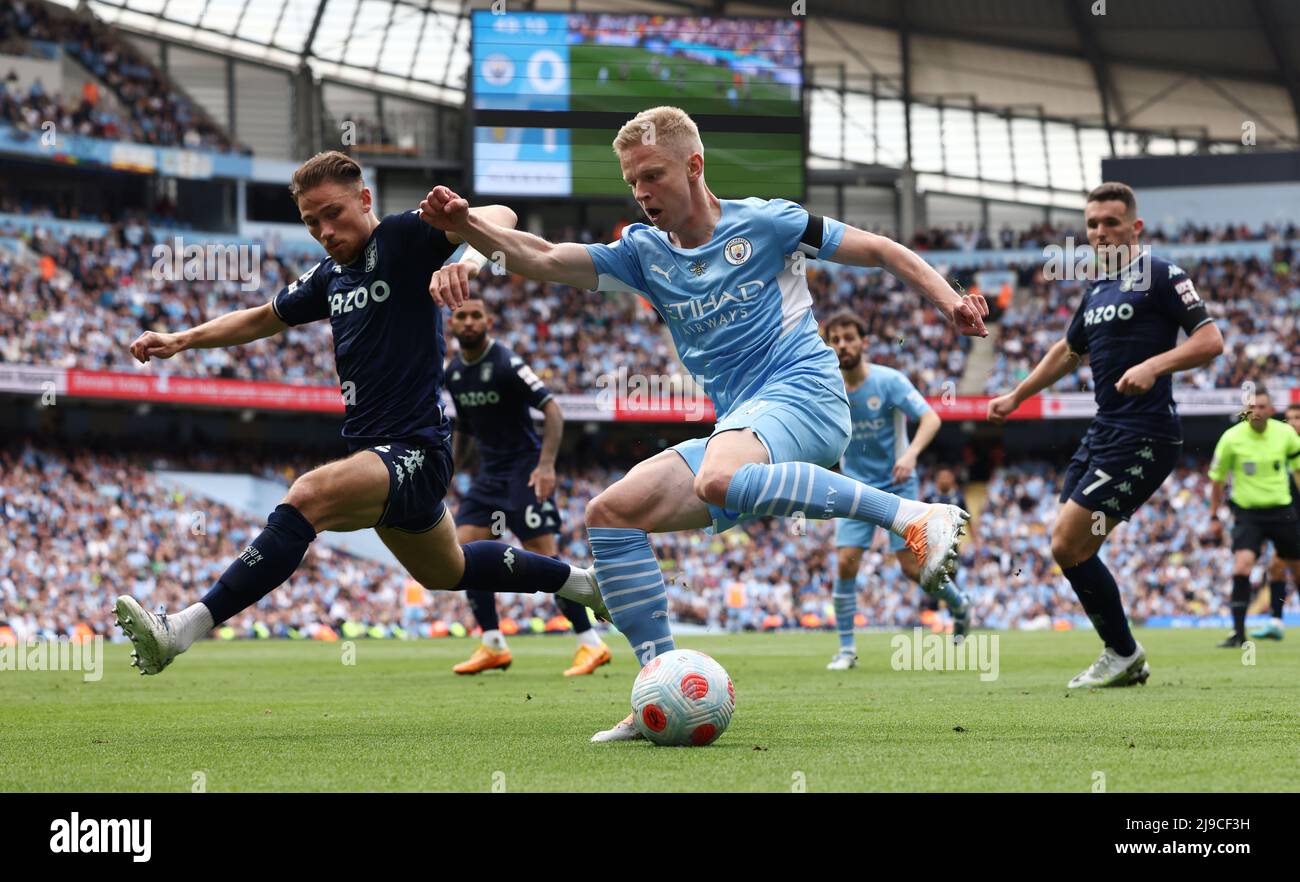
{"x":550,"y":90}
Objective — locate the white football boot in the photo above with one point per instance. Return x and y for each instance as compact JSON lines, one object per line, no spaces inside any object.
{"x":150,"y":633}
{"x":933,"y":538}
{"x":1113,"y":669}
{"x":582,"y":587}
{"x":843,"y":660}
{"x":623,"y":731}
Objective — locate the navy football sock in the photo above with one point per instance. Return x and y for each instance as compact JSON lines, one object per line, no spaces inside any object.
{"x":262,"y":565}
{"x":1277,"y":597}
{"x":484,"y":606}
{"x":496,"y":567}
{"x":1240,"y":600}
{"x":1097,"y":591}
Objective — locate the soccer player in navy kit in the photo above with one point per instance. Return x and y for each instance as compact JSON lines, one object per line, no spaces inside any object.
{"x":1127,"y":322}
{"x":389,"y":349}
{"x":494,"y":390}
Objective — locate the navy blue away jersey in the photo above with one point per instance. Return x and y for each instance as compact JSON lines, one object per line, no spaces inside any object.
{"x":388,"y":345}
{"x":954,"y":498}
{"x":1121,"y":322}
{"x":493,"y":395}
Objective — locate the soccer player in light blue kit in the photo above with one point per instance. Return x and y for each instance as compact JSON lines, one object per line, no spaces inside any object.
{"x":727,"y":277}
{"x":881,"y":400}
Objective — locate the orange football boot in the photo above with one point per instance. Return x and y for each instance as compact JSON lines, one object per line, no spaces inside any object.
{"x":484,"y":659}
{"x":587,"y":659}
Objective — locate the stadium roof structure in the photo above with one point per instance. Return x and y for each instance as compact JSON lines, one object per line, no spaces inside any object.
{"x":422,"y":45}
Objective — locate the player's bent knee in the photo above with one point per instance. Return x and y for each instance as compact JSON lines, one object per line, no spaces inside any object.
{"x":711,"y":486}
{"x":605,"y":511}
{"x":308,"y":495}
{"x":1068,"y":552}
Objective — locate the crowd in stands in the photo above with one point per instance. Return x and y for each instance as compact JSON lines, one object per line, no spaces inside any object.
{"x":1257,"y":306}
{"x":158,"y":113}
{"x":966,"y":237}
{"x":79,"y":302}
{"x":80,"y":525}
{"x":31,"y":109}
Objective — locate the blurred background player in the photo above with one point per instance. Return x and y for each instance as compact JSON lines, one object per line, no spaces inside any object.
{"x":1277,"y":570}
{"x":881,"y":400}
{"x":493,"y":390}
{"x":1257,"y":452}
{"x":947,"y":492}
{"x":1127,"y":322}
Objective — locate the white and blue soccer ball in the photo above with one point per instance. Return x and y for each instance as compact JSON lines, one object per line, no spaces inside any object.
{"x":683,"y":698}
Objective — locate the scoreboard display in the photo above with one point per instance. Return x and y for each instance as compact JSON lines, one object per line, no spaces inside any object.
{"x":549,"y":91}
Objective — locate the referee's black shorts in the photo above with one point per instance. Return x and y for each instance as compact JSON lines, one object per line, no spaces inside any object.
{"x":1252,"y":527}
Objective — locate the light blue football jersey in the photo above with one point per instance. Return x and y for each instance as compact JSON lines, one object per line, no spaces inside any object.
{"x":738,"y":307}
{"x":880,"y":408}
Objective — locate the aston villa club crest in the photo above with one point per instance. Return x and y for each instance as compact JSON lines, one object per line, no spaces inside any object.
{"x":372,"y":256}
{"x":698,"y":268}
{"x":737,"y":250}
{"x":485,"y":374}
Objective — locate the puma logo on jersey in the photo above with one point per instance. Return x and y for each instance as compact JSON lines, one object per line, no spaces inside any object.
{"x":655,"y":268}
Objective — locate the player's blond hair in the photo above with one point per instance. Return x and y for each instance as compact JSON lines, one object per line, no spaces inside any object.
{"x":668,"y":127}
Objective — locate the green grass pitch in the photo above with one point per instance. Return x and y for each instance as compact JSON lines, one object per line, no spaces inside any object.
{"x":694,"y":86}
{"x":292,"y":716}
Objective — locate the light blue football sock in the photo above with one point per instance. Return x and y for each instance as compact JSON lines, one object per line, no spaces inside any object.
{"x":632,"y":586}
{"x":789,"y":487}
{"x":845,"y":596}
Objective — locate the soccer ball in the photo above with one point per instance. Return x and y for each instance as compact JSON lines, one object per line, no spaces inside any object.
{"x":682,"y":698}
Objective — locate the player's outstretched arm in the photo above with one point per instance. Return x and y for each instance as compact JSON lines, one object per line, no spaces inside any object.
{"x":231,"y":329}
{"x":860,"y":248}
{"x":1202,"y":347}
{"x":1058,"y":362}
{"x":567,"y":263}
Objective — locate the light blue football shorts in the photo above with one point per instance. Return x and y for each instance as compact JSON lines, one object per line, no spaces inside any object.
{"x":805,"y":420}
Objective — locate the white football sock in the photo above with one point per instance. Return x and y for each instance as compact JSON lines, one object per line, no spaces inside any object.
{"x":909,"y":510}
{"x":493,"y":640}
{"x":576,"y":587}
{"x":590,"y":638}
{"x":190,"y":624}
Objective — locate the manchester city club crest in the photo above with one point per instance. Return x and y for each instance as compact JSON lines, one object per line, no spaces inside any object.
{"x":874,"y":402}
{"x":737,"y":250}
{"x":372,"y":256}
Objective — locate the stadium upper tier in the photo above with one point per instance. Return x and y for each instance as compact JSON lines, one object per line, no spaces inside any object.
{"x":77,"y":302}
{"x":78,"y":527}
{"x":158,"y":112}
